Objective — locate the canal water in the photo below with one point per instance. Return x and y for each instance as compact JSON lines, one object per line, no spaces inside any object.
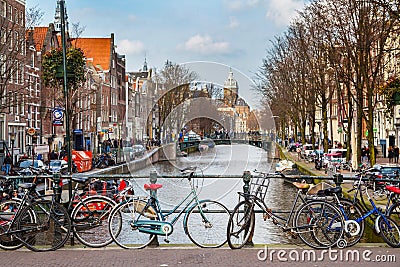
{"x":220,"y":160}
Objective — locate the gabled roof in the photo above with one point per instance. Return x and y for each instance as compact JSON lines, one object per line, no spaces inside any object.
{"x":97,"y":49}
{"x":39,"y":35}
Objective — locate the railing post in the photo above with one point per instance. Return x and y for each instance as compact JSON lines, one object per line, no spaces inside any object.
{"x":338,"y":179}
{"x":246,"y":190}
{"x":57,"y":188}
{"x":153,"y":193}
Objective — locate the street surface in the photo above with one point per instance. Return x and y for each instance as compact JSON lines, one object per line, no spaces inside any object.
{"x":361,"y":255}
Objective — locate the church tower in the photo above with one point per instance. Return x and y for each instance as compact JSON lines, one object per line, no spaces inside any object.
{"x":57,"y":18}
{"x":231,"y":90}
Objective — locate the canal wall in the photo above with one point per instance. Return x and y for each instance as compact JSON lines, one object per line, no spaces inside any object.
{"x":163,"y":153}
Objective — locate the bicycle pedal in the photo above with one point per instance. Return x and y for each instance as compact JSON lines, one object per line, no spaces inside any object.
{"x":266,"y":215}
{"x":166,"y":241}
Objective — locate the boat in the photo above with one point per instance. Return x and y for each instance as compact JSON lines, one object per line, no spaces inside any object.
{"x":284,"y":165}
{"x":203,"y":147}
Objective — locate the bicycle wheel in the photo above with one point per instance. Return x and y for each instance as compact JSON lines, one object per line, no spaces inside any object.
{"x":394,"y":213}
{"x":8,"y":209}
{"x":389,"y":232}
{"x":319,"y":224}
{"x":51,"y":229}
{"x":353,"y":232}
{"x":121,"y":227}
{"x":90,"y":221}
{"x":206,"y":224}
{"x":240,"y":225}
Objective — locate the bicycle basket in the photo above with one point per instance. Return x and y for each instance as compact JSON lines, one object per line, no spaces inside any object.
{"x":259,"y":185}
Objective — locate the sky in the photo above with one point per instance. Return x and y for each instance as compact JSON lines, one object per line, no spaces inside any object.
{"x":234,"y":33}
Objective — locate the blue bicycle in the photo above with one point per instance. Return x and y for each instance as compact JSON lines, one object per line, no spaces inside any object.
{"x":136,"y":222}
{"x":356,"y":212}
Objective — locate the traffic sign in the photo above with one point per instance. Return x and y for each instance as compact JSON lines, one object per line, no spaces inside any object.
{"x":31,"y":131}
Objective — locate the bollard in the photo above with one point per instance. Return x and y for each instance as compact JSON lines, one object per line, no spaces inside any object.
{"x":246,"y":189}
{"x":153,"y":193}
{"x":57,"y":188}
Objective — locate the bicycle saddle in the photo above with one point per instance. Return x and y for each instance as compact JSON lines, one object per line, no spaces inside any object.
{"x":393,"y":189}
{"x":330,"y":191}
{"x":152,"y":186}
{"x":301,"y":185}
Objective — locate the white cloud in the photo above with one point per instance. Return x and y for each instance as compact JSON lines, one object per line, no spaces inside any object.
{"x":132,"y":17}
{"x":127,"y":47}
{"x":233,"y":22}
{"x":283,"y":11}
{"x":241,"y":4}
{"x":205,"y":45}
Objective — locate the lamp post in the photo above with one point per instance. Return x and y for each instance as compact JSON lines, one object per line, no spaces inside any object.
{"x":12,"y":140}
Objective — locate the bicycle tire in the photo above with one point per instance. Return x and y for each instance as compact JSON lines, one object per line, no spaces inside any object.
{"x":353,"y":212}
{"x":8,"y":209}
{"x":90,"y":221}
{"x":240,"y":225}
{"x":212,"y":232}
{"x":315,"y":224}
{"x":391,"y":237}
{"x":123,"y":233}
{"x":51,"y":229}
{"x":394,"y":212}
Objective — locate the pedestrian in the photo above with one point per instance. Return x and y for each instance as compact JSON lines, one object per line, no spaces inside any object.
{"x":7,"y":164}
{"x":396,"y":154}
{"x":390,"y":154}
{"x":298,"y":150}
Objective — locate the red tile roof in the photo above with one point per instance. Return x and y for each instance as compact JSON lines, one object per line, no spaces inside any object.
{"x":97,"y":49}
{"x":39,"y":35}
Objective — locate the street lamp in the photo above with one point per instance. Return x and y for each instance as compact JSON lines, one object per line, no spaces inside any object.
{"x":12,"y":140}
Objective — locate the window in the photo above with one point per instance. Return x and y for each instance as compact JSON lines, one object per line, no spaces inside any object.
{"x":9,"y":12}
{"x":3,"y":9}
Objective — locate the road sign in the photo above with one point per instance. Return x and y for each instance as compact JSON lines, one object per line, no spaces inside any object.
{"x":31,"y":131}
{"x":42,"y":149}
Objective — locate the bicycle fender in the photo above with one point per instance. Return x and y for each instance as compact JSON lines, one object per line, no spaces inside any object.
{"x":377,"y":229}
{"x":187,"y":212}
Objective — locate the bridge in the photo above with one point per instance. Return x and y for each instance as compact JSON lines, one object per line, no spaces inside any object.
{"x":193,"y":145}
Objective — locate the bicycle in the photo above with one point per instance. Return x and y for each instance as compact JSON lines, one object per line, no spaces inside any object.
{"x":317,"y":223}
{"x":136,"y":222}
{"x":90,"y":212}
{"x":34,"y":222}
{"x":356,"y":212}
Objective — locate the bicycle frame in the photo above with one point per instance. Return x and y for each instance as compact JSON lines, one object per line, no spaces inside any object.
{"x":25,"y":201}
{"x":162,"y":217}
{"x":280,"y":221}
{"x":368,"y":212}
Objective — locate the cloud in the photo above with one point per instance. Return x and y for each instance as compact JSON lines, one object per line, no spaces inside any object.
{"x":283,"y":11}
{"x":127,"y":47}
{"x":233,"y":22}
{"x":132,"y":17}
{"x":205,"y":45}
{"x":241,"y":4}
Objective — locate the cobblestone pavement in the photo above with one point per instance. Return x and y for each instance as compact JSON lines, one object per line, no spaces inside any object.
{"x":376,"y":255}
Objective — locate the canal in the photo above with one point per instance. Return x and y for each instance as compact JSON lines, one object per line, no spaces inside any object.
{"x":221,"y":160}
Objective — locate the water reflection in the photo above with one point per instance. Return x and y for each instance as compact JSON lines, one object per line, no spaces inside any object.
{"x":228,"y":160}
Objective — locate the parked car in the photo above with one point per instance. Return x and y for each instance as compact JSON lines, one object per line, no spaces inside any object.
{"x":129,"y":153}
{"x":293,"y":146}
{"x":386,"y":170}
{"x":27,"y":163}
{"x":57,"y":166}
{"x":306,"y":150}
{"x":139,"y":150}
